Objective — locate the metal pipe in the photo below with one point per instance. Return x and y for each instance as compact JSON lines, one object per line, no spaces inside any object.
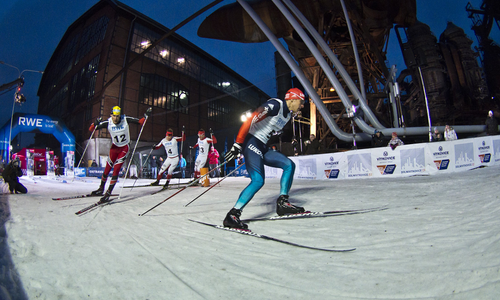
{"x":426,"y":102}
{"x":323,"y":64}
{"x":333,"y":58}
{"x":354,"y":49}
{"x":298,"y":72}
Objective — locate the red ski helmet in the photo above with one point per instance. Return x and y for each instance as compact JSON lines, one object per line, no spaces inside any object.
{"x":294,"y":94}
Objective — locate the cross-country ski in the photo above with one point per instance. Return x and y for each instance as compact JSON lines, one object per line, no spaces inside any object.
{"x":317,"y":214}
{"x":78,"y":196}
{"x":270,"y":238}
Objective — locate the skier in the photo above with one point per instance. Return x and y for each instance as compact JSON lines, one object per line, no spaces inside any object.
{"x":11,"y":175}
{"x":118,"y":128}
{"x":170,"y":144}
{"x":204,"y":146}
{"x":252,"y":138}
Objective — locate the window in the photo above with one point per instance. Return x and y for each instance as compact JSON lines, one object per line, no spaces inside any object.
{"x":160,"y":92}
{"x":92,"y":35}
{"x":83,"y":82}
{"x":177,"y":57}
{"x":218,"y":111}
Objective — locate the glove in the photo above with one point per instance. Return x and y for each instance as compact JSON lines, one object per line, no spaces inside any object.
{"x":183,"y":128}
{"x":148,"y":112}
{"x":233,"y":153}
{"x":97,"y":121}
{"x":153,"y":147}
{"x":211,"y":131}
{"x":95,"y":124}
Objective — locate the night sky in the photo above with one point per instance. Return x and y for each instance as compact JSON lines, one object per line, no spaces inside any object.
{"x":31,"y":30}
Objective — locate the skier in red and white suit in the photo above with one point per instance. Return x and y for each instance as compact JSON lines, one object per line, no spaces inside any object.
{"x":170,"y":143}
{"x":118,"y":128}
{"x":204,"y":147}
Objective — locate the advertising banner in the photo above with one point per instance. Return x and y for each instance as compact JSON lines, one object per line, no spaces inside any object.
{"x":483,"y":149}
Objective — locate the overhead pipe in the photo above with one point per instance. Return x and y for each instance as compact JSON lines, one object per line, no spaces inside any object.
{"x":338,"y":65}
{"x":301,"y":77}
{"x":354,"y":50}
{"x":323,"y":64}
{"x":352,"y":87}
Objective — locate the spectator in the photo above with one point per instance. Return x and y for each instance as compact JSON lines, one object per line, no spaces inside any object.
{"x":491,"y":124}
{"x":312,"y":145}
{"x":154,"y":167}
{"x":11,"y":175}
{"x":133,"y":171}
{"x":436,"y":136}
{"x":94,"y":164}
{"x":182,"y":166}
{"x":449,"y":133}
{"x":395,"y":141}
{"x":378,"y":139}
{"x":213,"y":161}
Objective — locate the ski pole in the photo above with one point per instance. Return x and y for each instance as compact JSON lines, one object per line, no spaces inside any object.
{"x":85,"y":150}
{"x":182,"y":145}
{"x":215,"y":184}
{"x":133,"y":152}
{"x":190,"y":184}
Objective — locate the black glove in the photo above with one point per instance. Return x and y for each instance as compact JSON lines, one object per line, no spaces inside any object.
{"x":211,"y":131}
{"x":153,"y":147}
{"x":148,"y":112}
{"x":97,"y":121}
{"x":233,"y":153}
{"x":183,"y":128}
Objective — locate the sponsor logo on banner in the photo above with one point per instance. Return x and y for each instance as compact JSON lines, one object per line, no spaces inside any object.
{"x":441,"y":152}
{"x":412,"y":160}
{"x":386,"y":158}
{"x":331,"y":162}
{"x":386,"y":169}
{"x":332,"y":174}
{"x":306,"y":169}
{"x":485,"y":158}
{"x":359,"y":165}
{"x":442,"y":164}
{"x":331,"y":168}
{"x":464,"y":155}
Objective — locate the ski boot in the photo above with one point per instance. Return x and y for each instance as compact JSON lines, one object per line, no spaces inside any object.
{"x":98,"y":192}
{"x":232,"y":219}
{"x":105,"y":198}
{"x":283,"y":207}
{"x":156,"y":183}
{"x":165,"y":186}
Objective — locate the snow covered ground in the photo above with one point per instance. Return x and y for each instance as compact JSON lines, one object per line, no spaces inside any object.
{"x":439,"y":239}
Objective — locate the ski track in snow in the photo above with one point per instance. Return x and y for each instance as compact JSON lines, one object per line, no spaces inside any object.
{"x":438,"y":239}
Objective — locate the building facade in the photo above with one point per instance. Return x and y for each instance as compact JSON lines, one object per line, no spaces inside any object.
{"x":184,"y":85}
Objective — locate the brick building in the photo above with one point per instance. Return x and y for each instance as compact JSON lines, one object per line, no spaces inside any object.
{"x":185,"y":85}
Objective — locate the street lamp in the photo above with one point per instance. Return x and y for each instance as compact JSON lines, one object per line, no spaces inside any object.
{"x":18,"y":97}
